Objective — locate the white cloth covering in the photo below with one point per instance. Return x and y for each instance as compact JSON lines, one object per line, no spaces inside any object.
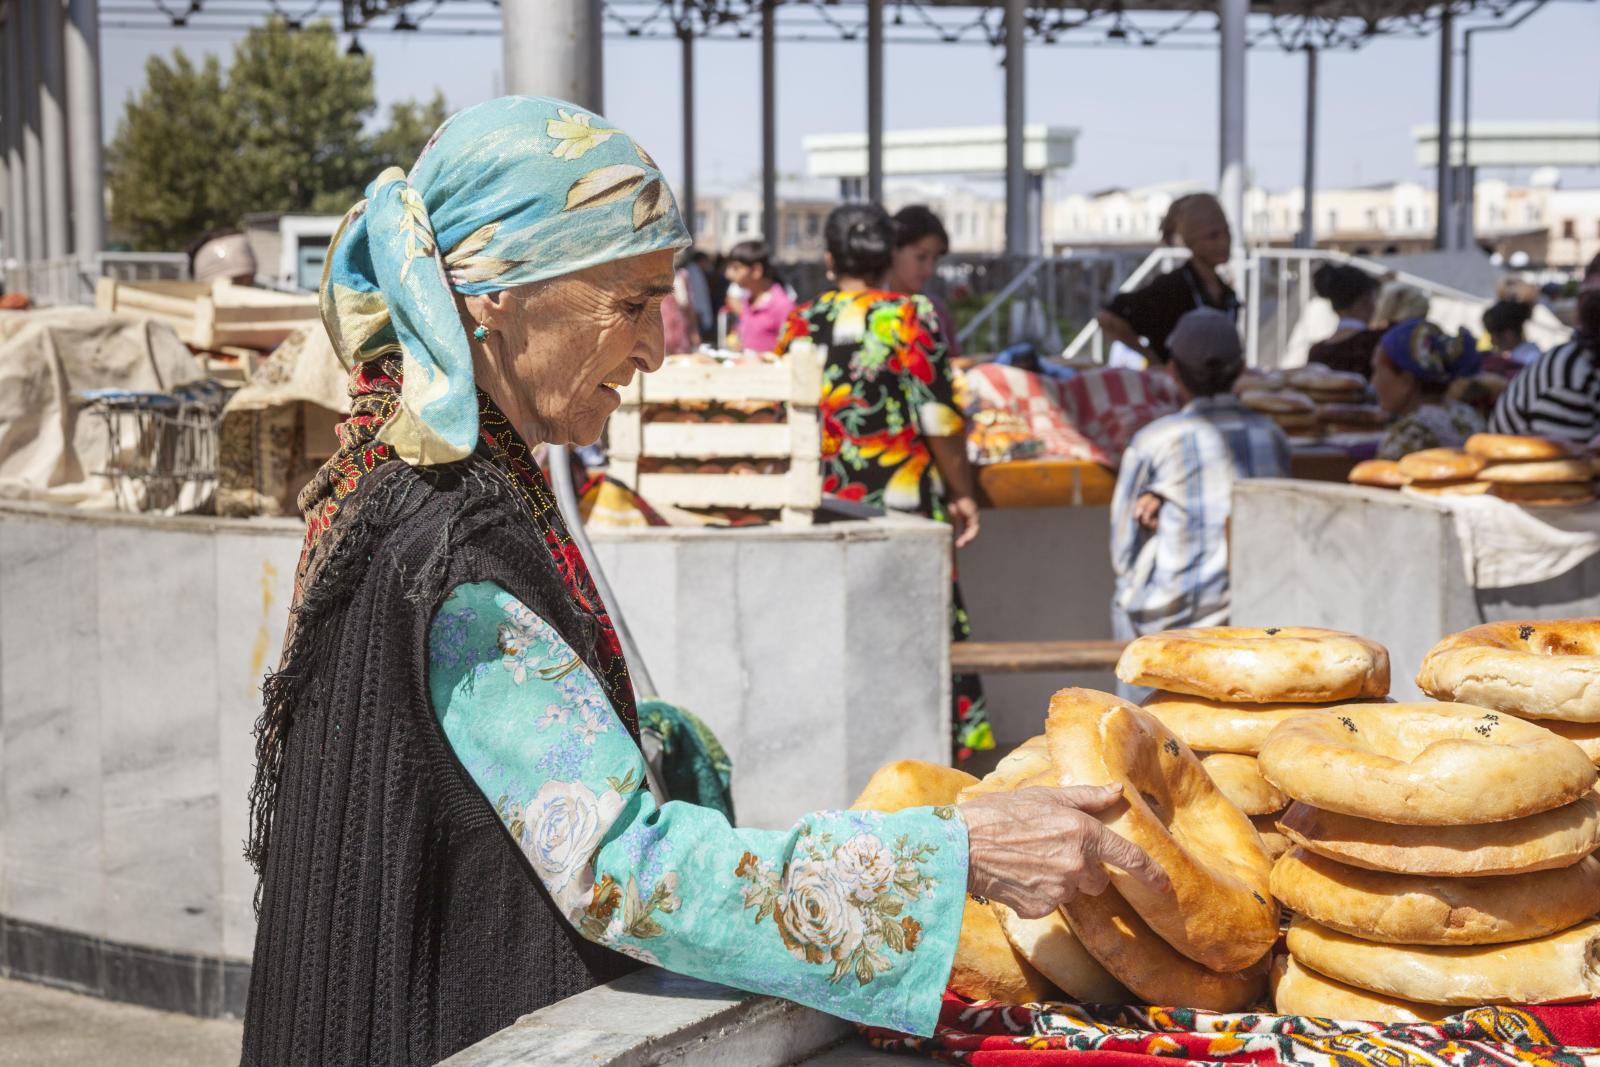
{"x":1505,"y":544}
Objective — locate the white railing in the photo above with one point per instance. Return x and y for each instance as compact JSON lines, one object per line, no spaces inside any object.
{"x":1282,"y":315}
{"x":69,"y":280}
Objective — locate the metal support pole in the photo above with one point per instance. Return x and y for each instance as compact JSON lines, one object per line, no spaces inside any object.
{"x":1442,"y":191}
{"x":553,"y":48}
{"x":769,"y":121}
{"x":1017,"y":243}
{"x":83,"y":130}
{"x":1231,"y":166}
{"x":1308,"y":214}
{"x":1466,"y":182}
{"x":686,"y":42}
{"x":16,"y":229}
{"x":875,"y":101}
{"x":32,"y":152}
{"x":53,"y":128}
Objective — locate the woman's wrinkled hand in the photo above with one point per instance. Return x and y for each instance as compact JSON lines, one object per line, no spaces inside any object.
{"x":963,"y":512}
{"x":1034,"y":849}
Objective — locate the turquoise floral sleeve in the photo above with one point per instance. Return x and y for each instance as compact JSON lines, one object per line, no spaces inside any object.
{"x":854,"y":913}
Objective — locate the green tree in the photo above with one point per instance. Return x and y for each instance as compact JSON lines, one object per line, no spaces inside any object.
{"x":303,"y":106}
{"x":162,"y":164}
{"x":286,"y":130}
{"x":410,"y":126}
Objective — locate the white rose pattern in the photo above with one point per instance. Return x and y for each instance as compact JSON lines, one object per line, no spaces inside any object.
{"x":865,"y":867}
{"x":563,"y":825}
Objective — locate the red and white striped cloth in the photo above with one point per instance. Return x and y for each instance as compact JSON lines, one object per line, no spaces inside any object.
{"x":1091,"y":417}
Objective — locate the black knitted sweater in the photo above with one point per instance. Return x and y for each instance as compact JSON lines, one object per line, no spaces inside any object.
{"x":399,"y":922}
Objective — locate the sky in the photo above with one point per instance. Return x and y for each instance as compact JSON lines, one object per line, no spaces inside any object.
{"x":1143,"y":115}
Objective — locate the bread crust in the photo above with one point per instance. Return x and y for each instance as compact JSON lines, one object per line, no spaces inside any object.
{"x":1503,"y":447}
{"x":1221,"y":725}
{"x":1278,"y":402}
{"x":1298,"y":990}
{"x":1053,"y":950}
{"x":1440,"y":764}
{"x":911,"y":783}
{"x":1239,"y":778}
{"x":1292,"y":664}
{"x":1546,"y":494}
{"x":1456,"y":487}
{"x":1380,"y":473}
{"x":1586,"y":735}
{"x":1546,"y":470}
{"x":988,"y":967}
{"x":1545,"y":970}
{"x":1556,"y":838}
{"x":1217,"y":909}
{"x":1414,"y":909}
{"x":1440,"y":465}
{"x":1112,"y":931}
{"x":1535,"y":668}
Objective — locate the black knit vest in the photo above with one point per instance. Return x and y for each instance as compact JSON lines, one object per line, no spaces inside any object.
{"x":399,"y":922}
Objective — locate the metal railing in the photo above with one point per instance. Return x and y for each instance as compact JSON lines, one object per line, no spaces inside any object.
{"x":70,"y":280}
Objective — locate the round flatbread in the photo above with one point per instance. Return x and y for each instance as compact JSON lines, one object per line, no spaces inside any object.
{"x":1239,"y":778}
{"x":1503,"y":447}
{"x":1440,"y":465}
{"x":1298,"y":990}
{"x":1437,"y":764}
{"x":1415,"y":909}
{"x":1289,"y":664}
{"x":1536,"y":668}
{"x":1051,"y":948}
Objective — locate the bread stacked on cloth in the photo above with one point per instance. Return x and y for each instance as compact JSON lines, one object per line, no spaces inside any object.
{"x":1341,"y":399}
{"x":1223,"y":689}
{"x":1440,"y":860}
{"x":1202,"y":942}
{"x":1293,"y":411}
{"x":1442,"y":472}
{"x":1532,"y":471}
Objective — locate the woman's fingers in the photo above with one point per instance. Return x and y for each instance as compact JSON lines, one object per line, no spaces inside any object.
{"x":1108,"y":847}
{"x":1089,"y":798}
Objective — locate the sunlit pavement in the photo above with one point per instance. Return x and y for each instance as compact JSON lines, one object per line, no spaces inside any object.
{"x":43,"y":1027}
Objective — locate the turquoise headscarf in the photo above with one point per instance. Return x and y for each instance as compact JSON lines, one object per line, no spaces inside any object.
{"x":512,"y":191}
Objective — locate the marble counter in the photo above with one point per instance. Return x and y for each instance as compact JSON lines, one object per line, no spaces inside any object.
{"x":132,"y":648}
{"x":1378,"y":563}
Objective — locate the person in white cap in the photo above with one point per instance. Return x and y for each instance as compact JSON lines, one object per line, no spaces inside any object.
{"x":223,"y":254}
{"x":1169,"y":517}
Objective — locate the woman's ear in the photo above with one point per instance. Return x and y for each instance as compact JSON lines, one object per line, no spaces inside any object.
{"x":486,"y":309}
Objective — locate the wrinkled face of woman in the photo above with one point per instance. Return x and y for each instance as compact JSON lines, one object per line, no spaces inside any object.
{"x":556,"y":351}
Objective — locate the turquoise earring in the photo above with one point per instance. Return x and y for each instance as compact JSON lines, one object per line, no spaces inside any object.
{"x":480,"y":331}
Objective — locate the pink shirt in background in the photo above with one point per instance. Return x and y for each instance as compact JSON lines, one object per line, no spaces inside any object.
{"x":763,"y":319}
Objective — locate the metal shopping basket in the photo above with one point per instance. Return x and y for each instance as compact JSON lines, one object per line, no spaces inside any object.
{"x":161,"y":448}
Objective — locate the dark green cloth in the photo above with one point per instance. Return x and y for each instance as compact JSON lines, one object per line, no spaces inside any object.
{"x":695,"y":768}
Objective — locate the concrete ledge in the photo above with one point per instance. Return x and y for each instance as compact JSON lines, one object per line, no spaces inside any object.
{"x":655,"y":1017}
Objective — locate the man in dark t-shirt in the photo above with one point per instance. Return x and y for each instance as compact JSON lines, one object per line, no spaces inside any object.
{"x":1142,"y":319}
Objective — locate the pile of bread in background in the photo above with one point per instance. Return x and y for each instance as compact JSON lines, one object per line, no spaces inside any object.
{"x":1532,"y":471}
{"x":1312,"y":402}
{"x":1429,"y":856}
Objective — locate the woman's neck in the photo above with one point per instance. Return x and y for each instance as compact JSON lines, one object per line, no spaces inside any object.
{"x":1209,"y":281}
{"x":846,"y":284}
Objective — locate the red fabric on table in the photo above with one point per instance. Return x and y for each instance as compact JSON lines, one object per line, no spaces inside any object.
{"x":1077,"y":1035}
{"x":1092,"y":416}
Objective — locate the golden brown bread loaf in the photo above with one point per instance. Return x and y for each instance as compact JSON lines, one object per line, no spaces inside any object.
{"x":1535,"y":668}
{"x":1440,"y":465}
{"x":1220,"y":725}
{"x":1504,"y":447}
{"x":1453,"y":487}
{"x":1550,"y":470}
{"x":1112,"y":931}
{"x":1295,"y":664}
{"x":1545,"y":494}
{"x":1297,"y":990}
{"x":911,"y":783}
{"x":1381,"y":473}
{"x":1555,"y":838}
{"x":1239,"y":778}
{"x":1272,"y":838}
{"x":1433,"y":764}
{"x":1052,"y":949}
{"x":1027,"y":764}
{"x":1416,"y":909}
{"x":1545,"y":970}
{"x":1586,"y":735}
{"x":1216,"y":910}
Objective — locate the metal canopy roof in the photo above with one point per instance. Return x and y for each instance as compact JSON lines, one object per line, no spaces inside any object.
{"x":1287,"y":24}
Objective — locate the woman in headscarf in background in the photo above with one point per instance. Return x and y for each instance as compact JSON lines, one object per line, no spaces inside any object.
{"x":1411,"y":372}
{"x":451,"y":815}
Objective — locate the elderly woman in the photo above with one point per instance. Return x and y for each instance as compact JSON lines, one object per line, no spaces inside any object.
{"x":451,"y":817}
{"x":1412,"y":369}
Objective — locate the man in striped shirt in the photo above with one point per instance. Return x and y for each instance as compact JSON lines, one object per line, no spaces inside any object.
{"x":1559,"y":395}
{"x":1169,"y":517}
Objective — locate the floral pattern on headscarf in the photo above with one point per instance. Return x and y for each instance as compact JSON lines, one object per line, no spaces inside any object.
{"x":1428,"y":354}
{"x":512,"y":191}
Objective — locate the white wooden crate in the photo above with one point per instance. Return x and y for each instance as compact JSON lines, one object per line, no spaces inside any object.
{"x":795,"y":382}
{"x":213,"y":316}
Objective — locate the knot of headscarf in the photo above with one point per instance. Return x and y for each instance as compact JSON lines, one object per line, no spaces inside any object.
{"x":512,"y":191}
{"x":1428,"y":354}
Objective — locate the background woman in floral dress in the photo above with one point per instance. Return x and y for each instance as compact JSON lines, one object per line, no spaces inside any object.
{"x":891,"y":433}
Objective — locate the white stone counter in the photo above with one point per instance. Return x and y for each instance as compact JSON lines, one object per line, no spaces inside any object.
{"x":132,"y":648}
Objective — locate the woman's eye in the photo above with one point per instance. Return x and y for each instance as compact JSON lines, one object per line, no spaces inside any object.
{"x":634,"y":310}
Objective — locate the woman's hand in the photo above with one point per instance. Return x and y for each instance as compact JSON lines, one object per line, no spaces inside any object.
{"x":1035,"y":849}
{"x":964,"y":520}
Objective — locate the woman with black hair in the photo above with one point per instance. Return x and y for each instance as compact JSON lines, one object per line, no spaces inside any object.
{"x":1504,"y":323}
{"x":1354,"y":296}
{"x":920,"y":241}
{"x":892,"y":435}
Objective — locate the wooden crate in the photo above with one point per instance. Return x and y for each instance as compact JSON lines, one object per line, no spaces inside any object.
{"x":212,"y":316}
{"x":795,"y":382}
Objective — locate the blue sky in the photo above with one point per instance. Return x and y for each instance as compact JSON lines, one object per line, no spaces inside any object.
{"x":1145,"y":115}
